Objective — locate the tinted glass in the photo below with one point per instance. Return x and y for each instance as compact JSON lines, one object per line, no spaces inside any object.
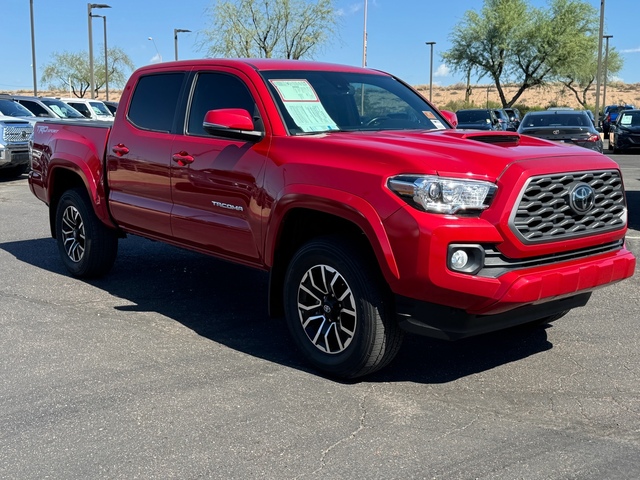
{"x":214,"y":91}
{"x":82,"y":108}
{"x":556,"y":120}
{"x":33,"y":107}
{"x":154,"y":102}
{"x":13,"y":109}
{"x":473,"y":116}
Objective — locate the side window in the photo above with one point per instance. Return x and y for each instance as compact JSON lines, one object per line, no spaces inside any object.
{"x":155,"y":101}
{"x":214,"y":91}
{"x":82,"y":108}
{"x":36,"y":109}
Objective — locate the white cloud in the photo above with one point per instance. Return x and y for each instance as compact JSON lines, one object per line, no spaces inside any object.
{"x":631,"y":50}
{"x":441,"y":71}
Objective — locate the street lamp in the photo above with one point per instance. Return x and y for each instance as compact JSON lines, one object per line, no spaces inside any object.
{"x":106,"y":62}
{"x":33,"y":52}
{"x":90,"y":6}
{"x":364,"y":38}
{"x":599,"y":70}
{"x":606,"y":61}
{"x":156,"y":47}
{"x":176,"y":31}
{"x":431,"y":44}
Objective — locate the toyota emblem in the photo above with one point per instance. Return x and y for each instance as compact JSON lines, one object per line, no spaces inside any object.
{"x":556,"y":132}
{"x":582,"y":198}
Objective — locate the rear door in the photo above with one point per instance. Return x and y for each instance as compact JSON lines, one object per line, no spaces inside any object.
{"x":139,"y":155}
{"x":216,"y":182}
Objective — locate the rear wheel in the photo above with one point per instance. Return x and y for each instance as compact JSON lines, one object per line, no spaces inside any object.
{"x":338,"y":309}
{"x":87,"y":247}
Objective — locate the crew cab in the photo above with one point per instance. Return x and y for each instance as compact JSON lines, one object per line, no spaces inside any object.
{"x":372,"y":215}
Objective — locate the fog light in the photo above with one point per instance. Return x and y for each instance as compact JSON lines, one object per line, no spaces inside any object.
{"x":459,"y":259}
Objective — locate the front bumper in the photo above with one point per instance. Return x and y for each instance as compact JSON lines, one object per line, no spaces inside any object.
{"x":448,"y":323}
{"x":14,"y":156}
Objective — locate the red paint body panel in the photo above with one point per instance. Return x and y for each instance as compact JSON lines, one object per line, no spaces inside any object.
{"x":230,"y":197}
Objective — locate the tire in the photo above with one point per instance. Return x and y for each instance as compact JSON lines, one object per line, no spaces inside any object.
{"x":338,"y":309}
{"x":88,"y":248}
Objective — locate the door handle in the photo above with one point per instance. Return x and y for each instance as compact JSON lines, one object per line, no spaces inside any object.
{"x":120,"y":149}
{"x":182,"y":158}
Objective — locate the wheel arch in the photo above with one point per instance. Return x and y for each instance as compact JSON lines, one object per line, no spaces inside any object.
{"x":298,"y":218}
{"x":67,"y":175}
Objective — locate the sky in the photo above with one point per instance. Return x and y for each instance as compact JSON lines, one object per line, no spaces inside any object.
{"x":396,"y":34}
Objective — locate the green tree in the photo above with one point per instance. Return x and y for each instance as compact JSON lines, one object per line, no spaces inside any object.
{"x":580,"y":80}
{"x":269,"y":28}
{"x":512,"y":42}
{"x":68,"y":70}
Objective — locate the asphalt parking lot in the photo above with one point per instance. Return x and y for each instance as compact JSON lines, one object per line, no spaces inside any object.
{"x":170,"y":368}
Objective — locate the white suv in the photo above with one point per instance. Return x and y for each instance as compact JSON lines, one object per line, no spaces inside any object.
{"x":90,"y":108}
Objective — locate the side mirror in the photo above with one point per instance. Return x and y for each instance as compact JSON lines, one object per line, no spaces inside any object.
{"x":231,"y":123}
{"x":451,"y":117}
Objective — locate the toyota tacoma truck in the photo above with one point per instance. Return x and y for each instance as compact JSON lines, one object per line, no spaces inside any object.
{"x":372,"y":215}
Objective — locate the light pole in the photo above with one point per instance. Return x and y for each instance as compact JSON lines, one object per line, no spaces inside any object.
{"x":106,"y":64}
{"x":33,"y":51}
{"x":90,"y":6}
{"x":606,"y":61}
{"x":156,"y":47}
{"x":599,"y":70}
{"x":176,"y":31}
{"x":364,"y":38}
{"x":431,"y":44}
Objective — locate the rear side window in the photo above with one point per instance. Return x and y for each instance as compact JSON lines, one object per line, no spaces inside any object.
{"x":34,"y":108}
{"x":155,"y":100}
{"x":214,"y":91}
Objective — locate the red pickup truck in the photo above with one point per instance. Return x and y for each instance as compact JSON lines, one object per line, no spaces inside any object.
{"x":372,"y":215}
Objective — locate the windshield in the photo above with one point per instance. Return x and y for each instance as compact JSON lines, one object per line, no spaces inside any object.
{"x":321,"y":101}
{"x":61,"y":109}
{"x":631,"y":119}
{"x":14,"y":109}
{"x":100,"y":109}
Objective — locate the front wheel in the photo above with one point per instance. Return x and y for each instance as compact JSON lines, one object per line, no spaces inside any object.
{"x":88,"y":248}
{"x":338,"y":309}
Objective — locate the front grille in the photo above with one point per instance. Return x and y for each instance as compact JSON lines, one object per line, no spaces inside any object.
{"x":17,"y":134}
{"x":544,"y":212}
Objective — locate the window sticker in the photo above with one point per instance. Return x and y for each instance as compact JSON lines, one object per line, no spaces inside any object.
{"x":438,"y":124}
{"x":304,"y":106}
{"x":626,"y":119}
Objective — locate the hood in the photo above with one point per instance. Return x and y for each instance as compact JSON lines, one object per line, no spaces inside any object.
{"x":476,"y":154}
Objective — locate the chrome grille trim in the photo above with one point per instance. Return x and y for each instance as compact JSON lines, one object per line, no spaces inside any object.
{"x":17,"y":134}
{"x":544,"y":214}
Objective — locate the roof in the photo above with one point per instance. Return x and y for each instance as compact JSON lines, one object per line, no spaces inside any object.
{"x":263,"y":64}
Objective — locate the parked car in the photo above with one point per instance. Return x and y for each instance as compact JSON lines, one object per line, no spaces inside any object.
{"x":478,"y":119}
{"x":112,"y":106}
{"x":46,"y":107}
{"x":514,"y":116}
{"x":503,"y":118}
{"x":15,"y":134}
{"x":11,"y":108}
{"x":94,"y":109}
{"x":611,"y":115}
{"x":564,"y":126}
{"x":624,"y":134}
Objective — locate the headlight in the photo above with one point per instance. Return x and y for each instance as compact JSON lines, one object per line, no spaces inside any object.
{"x":443,"y":195}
